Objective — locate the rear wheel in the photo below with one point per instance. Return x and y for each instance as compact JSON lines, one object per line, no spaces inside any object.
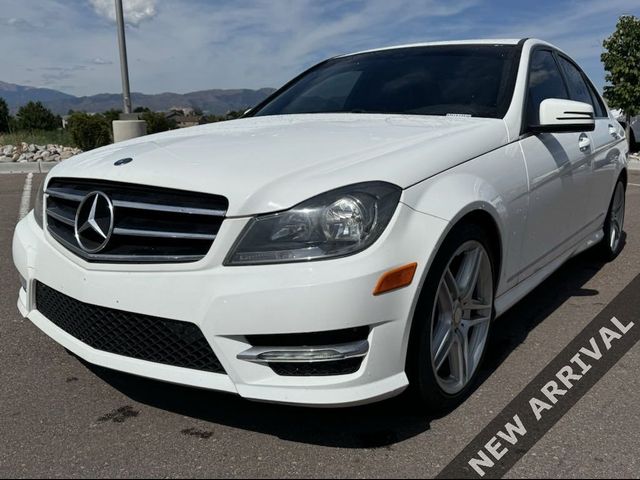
{"x":612,"y":243}
{"x":453,"y":319}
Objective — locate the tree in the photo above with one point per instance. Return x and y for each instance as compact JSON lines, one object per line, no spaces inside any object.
{"x":621,"y":60}
{"x":233,"y":114}
{"x":157,"y":122}
{"x":212,"y":118}
{"x":230,"y":115}
{"x":111,"y":115}
{"x":4,"y":116}
{"x":35,"y":116}
{"x":89,"y":131}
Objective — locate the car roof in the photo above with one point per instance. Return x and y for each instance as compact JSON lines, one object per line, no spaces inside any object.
{"x":483,"y":41}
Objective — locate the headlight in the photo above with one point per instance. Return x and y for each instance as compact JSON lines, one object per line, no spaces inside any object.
{"x":38,"y":206}
{"x":337,"y":223}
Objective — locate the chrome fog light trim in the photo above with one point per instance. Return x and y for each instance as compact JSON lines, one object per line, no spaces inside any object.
{"x":327,"y":353}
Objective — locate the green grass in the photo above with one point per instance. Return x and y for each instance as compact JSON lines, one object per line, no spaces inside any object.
{"x":39,"y":137}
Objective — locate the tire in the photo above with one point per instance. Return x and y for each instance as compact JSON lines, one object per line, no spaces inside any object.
{"x":613,"y":241}
{"x":438,"y":382}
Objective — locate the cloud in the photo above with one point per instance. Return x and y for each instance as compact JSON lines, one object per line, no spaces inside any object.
{"x":101,"y":61}
{"x":188,"y":45}
{"x":135,"y":11}
{"x":16,"y":22}
{"x":56,"y":74}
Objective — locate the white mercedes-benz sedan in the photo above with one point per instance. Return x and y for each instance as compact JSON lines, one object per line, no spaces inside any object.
{"x":353,"y":235}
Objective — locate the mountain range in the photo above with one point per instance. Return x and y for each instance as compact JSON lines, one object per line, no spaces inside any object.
{"x":216,"y":101}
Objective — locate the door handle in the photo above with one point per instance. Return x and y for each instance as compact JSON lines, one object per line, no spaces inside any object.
{"x":584,"y":142}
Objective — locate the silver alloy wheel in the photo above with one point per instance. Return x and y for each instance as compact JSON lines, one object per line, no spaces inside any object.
{"x":461,"y":317}
{"x":617,"y":218}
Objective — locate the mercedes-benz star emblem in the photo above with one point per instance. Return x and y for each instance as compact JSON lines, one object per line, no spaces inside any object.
{"x":123,"y":161}
{"x":94,"y":222}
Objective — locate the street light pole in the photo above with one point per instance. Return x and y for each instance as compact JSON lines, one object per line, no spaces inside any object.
{"x":124,"y":67}
{"x":128,"y":126}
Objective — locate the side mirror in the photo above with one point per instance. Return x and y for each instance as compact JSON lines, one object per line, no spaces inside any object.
{"x":561,"y":116}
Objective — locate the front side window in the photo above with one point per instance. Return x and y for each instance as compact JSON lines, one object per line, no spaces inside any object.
{"x":578,"y":89}
{"x":470,"y":80}
{"x":545,"y":81}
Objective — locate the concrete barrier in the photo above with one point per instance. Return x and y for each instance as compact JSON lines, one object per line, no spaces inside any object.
{"x":27,"y":167}
{"x":127,"y":129}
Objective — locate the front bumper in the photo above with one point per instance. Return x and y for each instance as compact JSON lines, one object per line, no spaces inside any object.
{"x":230,"y":303}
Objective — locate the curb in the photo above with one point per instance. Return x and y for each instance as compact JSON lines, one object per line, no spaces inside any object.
{"x":634,"y":163}
{"x":24,"y":167}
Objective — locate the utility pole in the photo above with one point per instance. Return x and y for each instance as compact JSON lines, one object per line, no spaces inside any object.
{"x":124,"y":66}
{"x":129,"y":126}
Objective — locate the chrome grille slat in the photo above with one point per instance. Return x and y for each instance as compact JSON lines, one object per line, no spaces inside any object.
{"x":180,"y":227}
{"x":168,"y":208}
{"x":66,"y":195}
{"x":55,"y":213}
{"x":56,"y":193}
{"x":151,"y":233}
{"x":125,"y":258}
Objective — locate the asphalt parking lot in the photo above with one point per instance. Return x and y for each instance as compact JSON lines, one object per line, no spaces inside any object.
{"x":60,"y":417}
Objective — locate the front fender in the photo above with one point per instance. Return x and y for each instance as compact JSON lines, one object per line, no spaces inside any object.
{"x":495,"y":183}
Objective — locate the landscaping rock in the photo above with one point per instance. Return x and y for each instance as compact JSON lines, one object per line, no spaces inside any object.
{"x":36,"y":153}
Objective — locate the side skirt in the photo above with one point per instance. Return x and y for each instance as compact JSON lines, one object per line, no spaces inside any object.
{"x":519,"y":291}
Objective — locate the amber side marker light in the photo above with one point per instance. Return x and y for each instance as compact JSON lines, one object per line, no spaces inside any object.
{"x":396,"y":278}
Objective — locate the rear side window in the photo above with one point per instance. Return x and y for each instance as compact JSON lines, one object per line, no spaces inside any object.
{"x":600,"y":109}
{"x":578,"y":87}
{"x":545,"y":81}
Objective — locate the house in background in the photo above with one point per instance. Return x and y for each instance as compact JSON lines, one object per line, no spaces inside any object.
{"x":185,"y":117}
{"x":186,"y":111}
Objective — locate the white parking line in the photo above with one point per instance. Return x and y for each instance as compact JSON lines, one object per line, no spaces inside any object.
{"x":25,"y":203}
{"x":634,"y":184}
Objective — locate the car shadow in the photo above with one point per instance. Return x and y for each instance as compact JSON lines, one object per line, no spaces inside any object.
{"x":370,"y":426}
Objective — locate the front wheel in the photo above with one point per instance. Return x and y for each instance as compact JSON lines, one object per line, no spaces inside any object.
{"x":453,"y":319}
{"x":612,"y":243}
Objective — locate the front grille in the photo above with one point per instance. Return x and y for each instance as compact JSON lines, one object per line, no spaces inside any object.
{"x":143,"y":337}
{"x":151,"y":225}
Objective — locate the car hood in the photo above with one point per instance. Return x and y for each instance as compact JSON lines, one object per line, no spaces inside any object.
{"x":266,"y":164}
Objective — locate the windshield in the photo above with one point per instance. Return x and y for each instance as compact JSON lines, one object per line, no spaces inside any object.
{"x":469,"y":80}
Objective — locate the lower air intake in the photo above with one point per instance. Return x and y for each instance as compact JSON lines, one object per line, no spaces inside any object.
{"x":159,"y":340}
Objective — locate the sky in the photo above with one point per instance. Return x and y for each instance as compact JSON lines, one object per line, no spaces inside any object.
{"x":188,"y":45}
